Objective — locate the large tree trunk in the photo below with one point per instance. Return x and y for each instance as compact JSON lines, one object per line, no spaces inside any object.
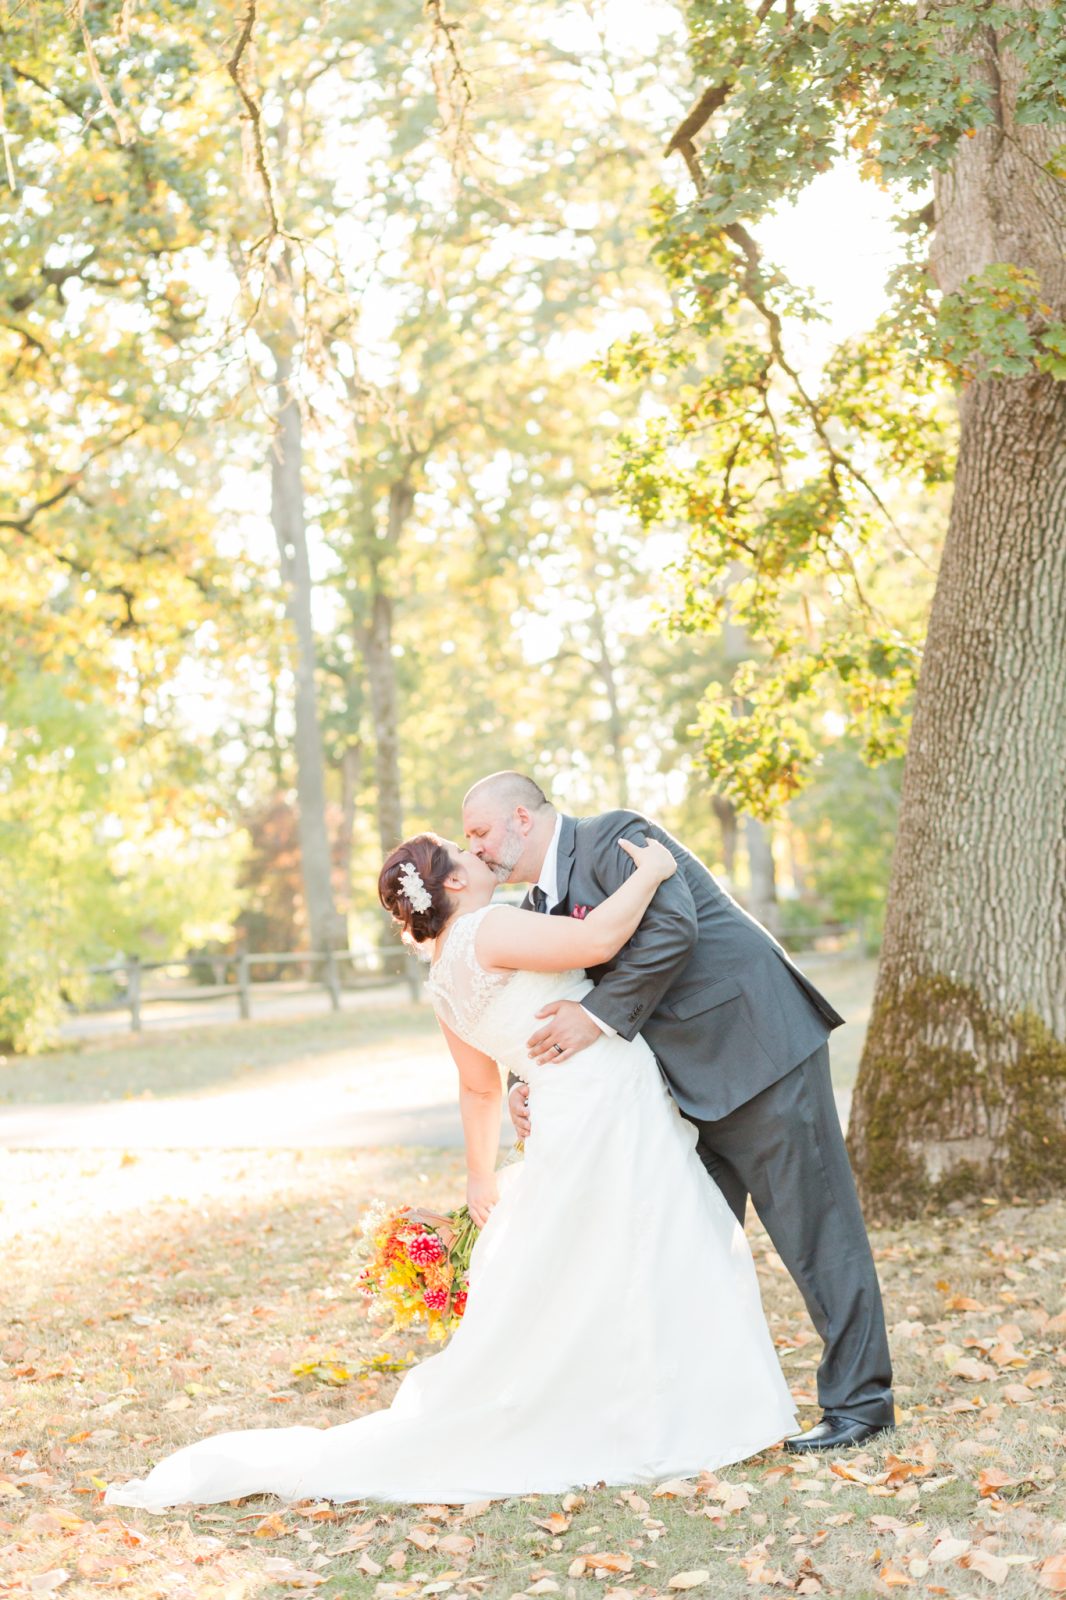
{"x":762,"y":874}
{"x":962,"y":1087}
{"x":726,"y":813}
{"x":351,"y":765}
{"x":327,"y":929}
{"x":616,"y":728}
{"x":381,"y":675}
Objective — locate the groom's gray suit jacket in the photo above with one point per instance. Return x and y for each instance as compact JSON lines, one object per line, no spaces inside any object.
{"x":718,"y":1000}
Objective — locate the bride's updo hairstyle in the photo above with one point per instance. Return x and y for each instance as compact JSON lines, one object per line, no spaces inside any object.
{"x":411,"y":886}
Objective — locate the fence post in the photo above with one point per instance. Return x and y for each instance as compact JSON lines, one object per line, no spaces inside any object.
{"x":133,"y":991}
{"x":332,"y":981}
{"x":244,"y":986}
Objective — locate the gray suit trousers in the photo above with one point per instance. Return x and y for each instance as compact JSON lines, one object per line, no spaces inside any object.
{"x":785,"y":1149}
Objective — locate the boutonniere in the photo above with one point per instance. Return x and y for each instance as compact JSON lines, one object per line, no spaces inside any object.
{"x":580,"y":912}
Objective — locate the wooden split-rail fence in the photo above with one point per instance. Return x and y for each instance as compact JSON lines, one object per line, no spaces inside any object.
{"x":334,"y":971}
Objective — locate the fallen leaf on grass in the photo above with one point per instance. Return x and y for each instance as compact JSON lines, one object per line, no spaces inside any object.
{"x":273,"y":1527}
{"x":1016,"y":1394}
{"x":991,"y":1480}
{"x":456,"y":1544}
{"x":1051,"y":1574}
{"x":422,"y":1538}
{"x":368,"y":1565}
{"x":893,"y":1577}
{"x":600,"y":1561}
{"x":46,"y":1582}
{"x":555,"y":1524}
{"x":947,"y":1548}
{"x":606,"y":1561}
{"x":681,"y":1487}
{"x":543,"y":1586}
{"x":288,"y":1572}
{"x":688,"y":1580}
{"x":990,"y":1566}
{"x":973,"y":1371}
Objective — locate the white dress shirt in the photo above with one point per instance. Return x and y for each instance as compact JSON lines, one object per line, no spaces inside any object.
{"x":549,"y":883}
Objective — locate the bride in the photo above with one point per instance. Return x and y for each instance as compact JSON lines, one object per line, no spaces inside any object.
{"x":613,"y":1331}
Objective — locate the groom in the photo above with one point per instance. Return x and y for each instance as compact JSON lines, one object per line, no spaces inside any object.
{"x":740,"y":1036}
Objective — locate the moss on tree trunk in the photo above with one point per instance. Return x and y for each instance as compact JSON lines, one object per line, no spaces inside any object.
{"x":959,"y":1101}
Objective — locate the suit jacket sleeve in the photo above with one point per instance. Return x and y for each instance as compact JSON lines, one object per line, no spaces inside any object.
{"x":646,"y":967}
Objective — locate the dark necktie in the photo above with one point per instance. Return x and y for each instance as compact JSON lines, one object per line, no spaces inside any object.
{"x":539,"y":898}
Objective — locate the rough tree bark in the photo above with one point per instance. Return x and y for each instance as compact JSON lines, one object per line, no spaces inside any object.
{"x":962,"y":1086}
{"x":327,"y":929}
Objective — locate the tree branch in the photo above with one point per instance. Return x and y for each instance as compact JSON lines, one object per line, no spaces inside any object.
{"x":69,"y":484}
{"x":254,"y":116}
{"x":712,"y":97}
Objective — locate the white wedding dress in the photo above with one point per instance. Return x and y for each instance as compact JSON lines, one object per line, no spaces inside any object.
{"x":613,"y":1332}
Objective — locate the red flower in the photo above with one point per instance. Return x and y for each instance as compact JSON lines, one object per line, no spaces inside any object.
{"x":425,"y":1250}
{"x":581,"y":912}
{"x":459,"y":1303}
{"x":435,"y":1299}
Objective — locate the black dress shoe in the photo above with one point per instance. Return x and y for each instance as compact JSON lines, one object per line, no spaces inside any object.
{"x":835,"y":1432}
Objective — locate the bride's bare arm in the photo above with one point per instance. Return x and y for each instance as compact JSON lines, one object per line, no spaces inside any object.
{"x":480,"y":1093}
{"x":528,"y":941}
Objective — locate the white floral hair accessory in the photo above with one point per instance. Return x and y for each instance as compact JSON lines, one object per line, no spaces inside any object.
{"x":413,"y":889}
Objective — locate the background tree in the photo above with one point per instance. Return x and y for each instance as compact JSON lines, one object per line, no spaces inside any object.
{"x":963,"y":1083}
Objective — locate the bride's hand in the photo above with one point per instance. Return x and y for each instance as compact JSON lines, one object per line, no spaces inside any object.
{"x":652,"y":855}
{"x":481,"y":1195}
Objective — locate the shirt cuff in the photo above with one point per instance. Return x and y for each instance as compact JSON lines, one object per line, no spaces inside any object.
{"x":604,"y":1027}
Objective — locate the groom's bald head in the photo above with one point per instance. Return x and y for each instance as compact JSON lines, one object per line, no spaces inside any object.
{"x":509,"y":822}
{"x":503,"y":791}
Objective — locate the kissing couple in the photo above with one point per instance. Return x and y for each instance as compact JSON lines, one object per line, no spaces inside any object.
{"x":667,"y":1060}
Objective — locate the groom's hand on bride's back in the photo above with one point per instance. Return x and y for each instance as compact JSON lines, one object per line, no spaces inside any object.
{"x":569,"y":1028}
{"x":518,"y":1105}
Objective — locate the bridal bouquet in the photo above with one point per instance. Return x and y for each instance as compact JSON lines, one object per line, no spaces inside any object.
{"x":416,"y":1266}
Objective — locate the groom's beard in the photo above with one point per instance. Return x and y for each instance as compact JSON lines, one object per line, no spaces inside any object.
{"x":501,"y":866}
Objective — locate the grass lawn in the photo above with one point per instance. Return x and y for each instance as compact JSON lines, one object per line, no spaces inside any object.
{"x":149,"y":1300}
{"x":190,"y":1060}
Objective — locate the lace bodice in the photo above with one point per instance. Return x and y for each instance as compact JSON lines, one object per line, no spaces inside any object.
{"x":458,"y":984}
{"x":493,"y":1011}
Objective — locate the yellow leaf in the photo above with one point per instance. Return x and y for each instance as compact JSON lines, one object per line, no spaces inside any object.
{"x":272,"y":1527}
{"x":689,"y":1580}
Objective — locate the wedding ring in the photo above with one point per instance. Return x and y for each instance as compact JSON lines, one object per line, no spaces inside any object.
{"x":558,"y":1047}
